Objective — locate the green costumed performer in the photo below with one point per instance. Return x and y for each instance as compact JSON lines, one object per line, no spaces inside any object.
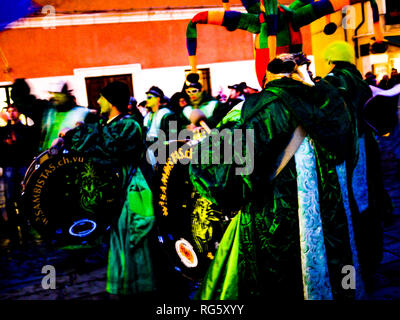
{"x":246,"y":266}
{"x":292,"y":237}
{"x":373,"y":204}
{"x":118,"y":142}
{"x":62,"y":115}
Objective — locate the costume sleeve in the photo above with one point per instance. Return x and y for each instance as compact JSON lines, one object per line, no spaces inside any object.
{"x":83,"y":138}
{"x":122,"y":141}
{"x":219,"y":114}
{"x":337,"y":81}
{"x":256,"y":145}
{"x":118,"y":143}
{"x":140,"y":203}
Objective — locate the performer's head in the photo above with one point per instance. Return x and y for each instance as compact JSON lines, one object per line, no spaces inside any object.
{"x":154,"y":98}
{"x":13,"y":113}
{"x":178,"y":101}
{"x":339,"y":51}
{"x":193,"y":88}
{"x":292,"y":65}
{"x":236,"y":90}
{"x":114,"y":99}
{"x":20,"y":90}
{"x":61,"y":96}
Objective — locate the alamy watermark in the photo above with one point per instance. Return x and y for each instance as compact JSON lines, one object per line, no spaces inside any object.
{"x":49,"y":21}
{"x":219,"y":147}
{"x":349,"y":280}
{"x":349,"y":17}
{"x":49,"y":280}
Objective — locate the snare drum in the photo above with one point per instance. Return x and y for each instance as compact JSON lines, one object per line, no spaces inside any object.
{"x":190,"y":226}
{"x":70,"y":199}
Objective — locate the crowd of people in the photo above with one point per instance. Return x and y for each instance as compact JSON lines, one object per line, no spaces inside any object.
{"x":29,"y":127}
{"x":386,"y":82}
{"x":313,"y":204}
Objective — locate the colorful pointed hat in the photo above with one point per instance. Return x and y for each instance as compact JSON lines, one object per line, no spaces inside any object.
{"x":277,"y":27}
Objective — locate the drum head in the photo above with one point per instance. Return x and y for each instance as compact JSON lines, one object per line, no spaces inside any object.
{"x":190,"y":227}
{"x":70,"y":199}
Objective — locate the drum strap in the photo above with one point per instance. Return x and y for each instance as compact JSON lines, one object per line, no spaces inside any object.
{"x":298,"y":136}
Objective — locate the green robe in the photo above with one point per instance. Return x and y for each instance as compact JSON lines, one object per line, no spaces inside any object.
{"x":291,"y":238}
{"x":119,"y":144}
{"x":370,"y":200}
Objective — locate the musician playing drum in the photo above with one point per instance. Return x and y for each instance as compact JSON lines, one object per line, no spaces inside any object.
{"x":118,"y":142}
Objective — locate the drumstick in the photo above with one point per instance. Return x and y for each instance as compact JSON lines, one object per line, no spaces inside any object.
{"x":205,"y":126}
{"x":197,"y":117}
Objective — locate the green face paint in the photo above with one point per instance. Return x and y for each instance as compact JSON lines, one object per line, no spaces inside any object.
{"x":105,"y":106}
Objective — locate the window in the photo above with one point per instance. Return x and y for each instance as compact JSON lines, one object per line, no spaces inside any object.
{"x":392,"y":12}
{"x":5,"y":96}
{"x":95,"y":84}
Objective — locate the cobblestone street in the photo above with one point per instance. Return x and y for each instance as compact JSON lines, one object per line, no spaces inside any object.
{"x":80,"y":274}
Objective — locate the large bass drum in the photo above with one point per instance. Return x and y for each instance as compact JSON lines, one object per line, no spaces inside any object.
{"x":69,"y":199}
{"x":190,"y":227}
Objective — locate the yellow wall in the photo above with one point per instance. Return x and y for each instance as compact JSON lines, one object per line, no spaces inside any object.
{"x":320,"y":40}
{"x":386,"y":61}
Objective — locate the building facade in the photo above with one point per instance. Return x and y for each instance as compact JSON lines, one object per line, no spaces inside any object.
{"x":87,"y":43}
{"x":81,"y":42}
{"x":355,"y":25}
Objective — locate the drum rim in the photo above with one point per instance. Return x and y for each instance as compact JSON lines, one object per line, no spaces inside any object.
{"x":52,"y":231}
{"x":195,"y":273}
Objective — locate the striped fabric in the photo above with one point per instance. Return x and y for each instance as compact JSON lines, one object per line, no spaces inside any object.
{"x":277,"y":27}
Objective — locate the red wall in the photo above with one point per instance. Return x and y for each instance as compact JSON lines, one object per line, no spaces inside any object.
{"x":36,"y":52}
{"x":306,"y":35}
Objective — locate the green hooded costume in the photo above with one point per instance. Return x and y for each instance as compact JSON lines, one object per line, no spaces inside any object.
{"x":292,"y":237}
{"x":372,"y":202}
{"x":119,"y":144}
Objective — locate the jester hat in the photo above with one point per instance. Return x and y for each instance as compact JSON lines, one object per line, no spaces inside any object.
{"x":277,"y":27}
